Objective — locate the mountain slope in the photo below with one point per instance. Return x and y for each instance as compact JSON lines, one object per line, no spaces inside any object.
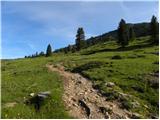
{"x":134,"y":71}
{"x":127,"y":76}
{"x":140,"y":29}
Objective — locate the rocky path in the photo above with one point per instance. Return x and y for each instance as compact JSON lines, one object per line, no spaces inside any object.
{"x":83,"y":101}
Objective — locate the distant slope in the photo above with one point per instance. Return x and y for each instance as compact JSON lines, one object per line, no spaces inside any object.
{"x":140,"y":29}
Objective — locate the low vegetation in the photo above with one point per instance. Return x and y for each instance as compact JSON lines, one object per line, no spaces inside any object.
{"x":22,"y":77}
{"x":126,"y":72}
{"x":130,"y":70}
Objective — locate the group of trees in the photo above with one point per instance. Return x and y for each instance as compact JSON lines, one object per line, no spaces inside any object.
{"x":154,"y":30}
{"x":36,"y":55}
{"x":126,"y":34}
{"x":48,"y":53}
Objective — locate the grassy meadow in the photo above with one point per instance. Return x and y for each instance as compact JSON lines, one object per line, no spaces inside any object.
{"x":24,"y":76}
{"x":131,"y":69}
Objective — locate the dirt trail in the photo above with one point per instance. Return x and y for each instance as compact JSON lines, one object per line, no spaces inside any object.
{"x":83,"y":101}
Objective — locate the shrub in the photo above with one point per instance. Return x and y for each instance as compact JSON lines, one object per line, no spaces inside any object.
{"x":141,"y":56}
{"x":90,"y":65}
{"x":117,"y":57}
{"x":126,"y":103}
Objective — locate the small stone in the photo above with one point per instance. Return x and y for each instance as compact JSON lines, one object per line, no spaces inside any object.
{"x":78,"y":82}
{"x":135,"y":104}
{"x":11,"y":104}
{"x":32,"y":94}
{"x":146,"y":106}
{"x":81,"y":93}
{"x":72,"y":77}
{"x":75,"y":105}
{"x":112,"y":106}
{"x":109,"y":84}
{"x":154,"y":117}
{"x":73,"y":99}
{"x":107,"y":116}
{"x":136,"y":116}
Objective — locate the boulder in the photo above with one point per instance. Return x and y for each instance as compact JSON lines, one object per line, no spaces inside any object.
{"x":37,"y":99}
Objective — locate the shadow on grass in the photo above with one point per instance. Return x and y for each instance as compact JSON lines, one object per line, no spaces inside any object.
{"x":120,"y":49}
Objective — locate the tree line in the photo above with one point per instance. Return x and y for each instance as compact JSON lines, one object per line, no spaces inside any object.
{"x":48,"y":53}
{"x":125,"y":34}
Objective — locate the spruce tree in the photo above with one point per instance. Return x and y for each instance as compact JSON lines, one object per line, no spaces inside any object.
{"x":49,"y":51}
{"x":154,"y":29}
{"x":123,"y":35}
{"x":80,"y":37}
{"x":131,"y":34}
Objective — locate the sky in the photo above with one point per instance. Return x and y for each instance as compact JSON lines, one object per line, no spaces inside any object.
{"x":30,"y":26}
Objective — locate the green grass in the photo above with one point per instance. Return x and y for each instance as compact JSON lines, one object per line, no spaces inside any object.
{"x":130,"y":74}
{"x":24,"y":76}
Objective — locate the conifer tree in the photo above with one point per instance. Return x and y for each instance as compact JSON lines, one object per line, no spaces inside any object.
{"x":131,"y":34}
{"x":80,"y":37}
{"x":123,"y":36}
{"x":49,"y":51}
{"x":154,"y":30}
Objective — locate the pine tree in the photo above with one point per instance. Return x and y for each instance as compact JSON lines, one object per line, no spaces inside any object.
{"x":80,"y":37}
{"x":154,"y":30}
{"x":123,"y":35}
{"x":131,"y":34}
{"x":49,"y":51}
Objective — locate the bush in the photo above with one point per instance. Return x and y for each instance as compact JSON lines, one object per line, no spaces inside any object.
{"x":141,"y":56}
{"x":126,"y":103}
{"x":90,"y":65}
{"x":132,"y":56}
{"x":138,"y":89}
{"x":117,"y":57}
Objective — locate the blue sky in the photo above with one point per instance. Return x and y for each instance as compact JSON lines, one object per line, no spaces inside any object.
{"x":28,"y":27}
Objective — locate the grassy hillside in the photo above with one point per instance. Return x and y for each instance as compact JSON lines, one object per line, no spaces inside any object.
{"x":24,"y":76}
{"x":133,"y":71}
{"x":140,"y":29}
